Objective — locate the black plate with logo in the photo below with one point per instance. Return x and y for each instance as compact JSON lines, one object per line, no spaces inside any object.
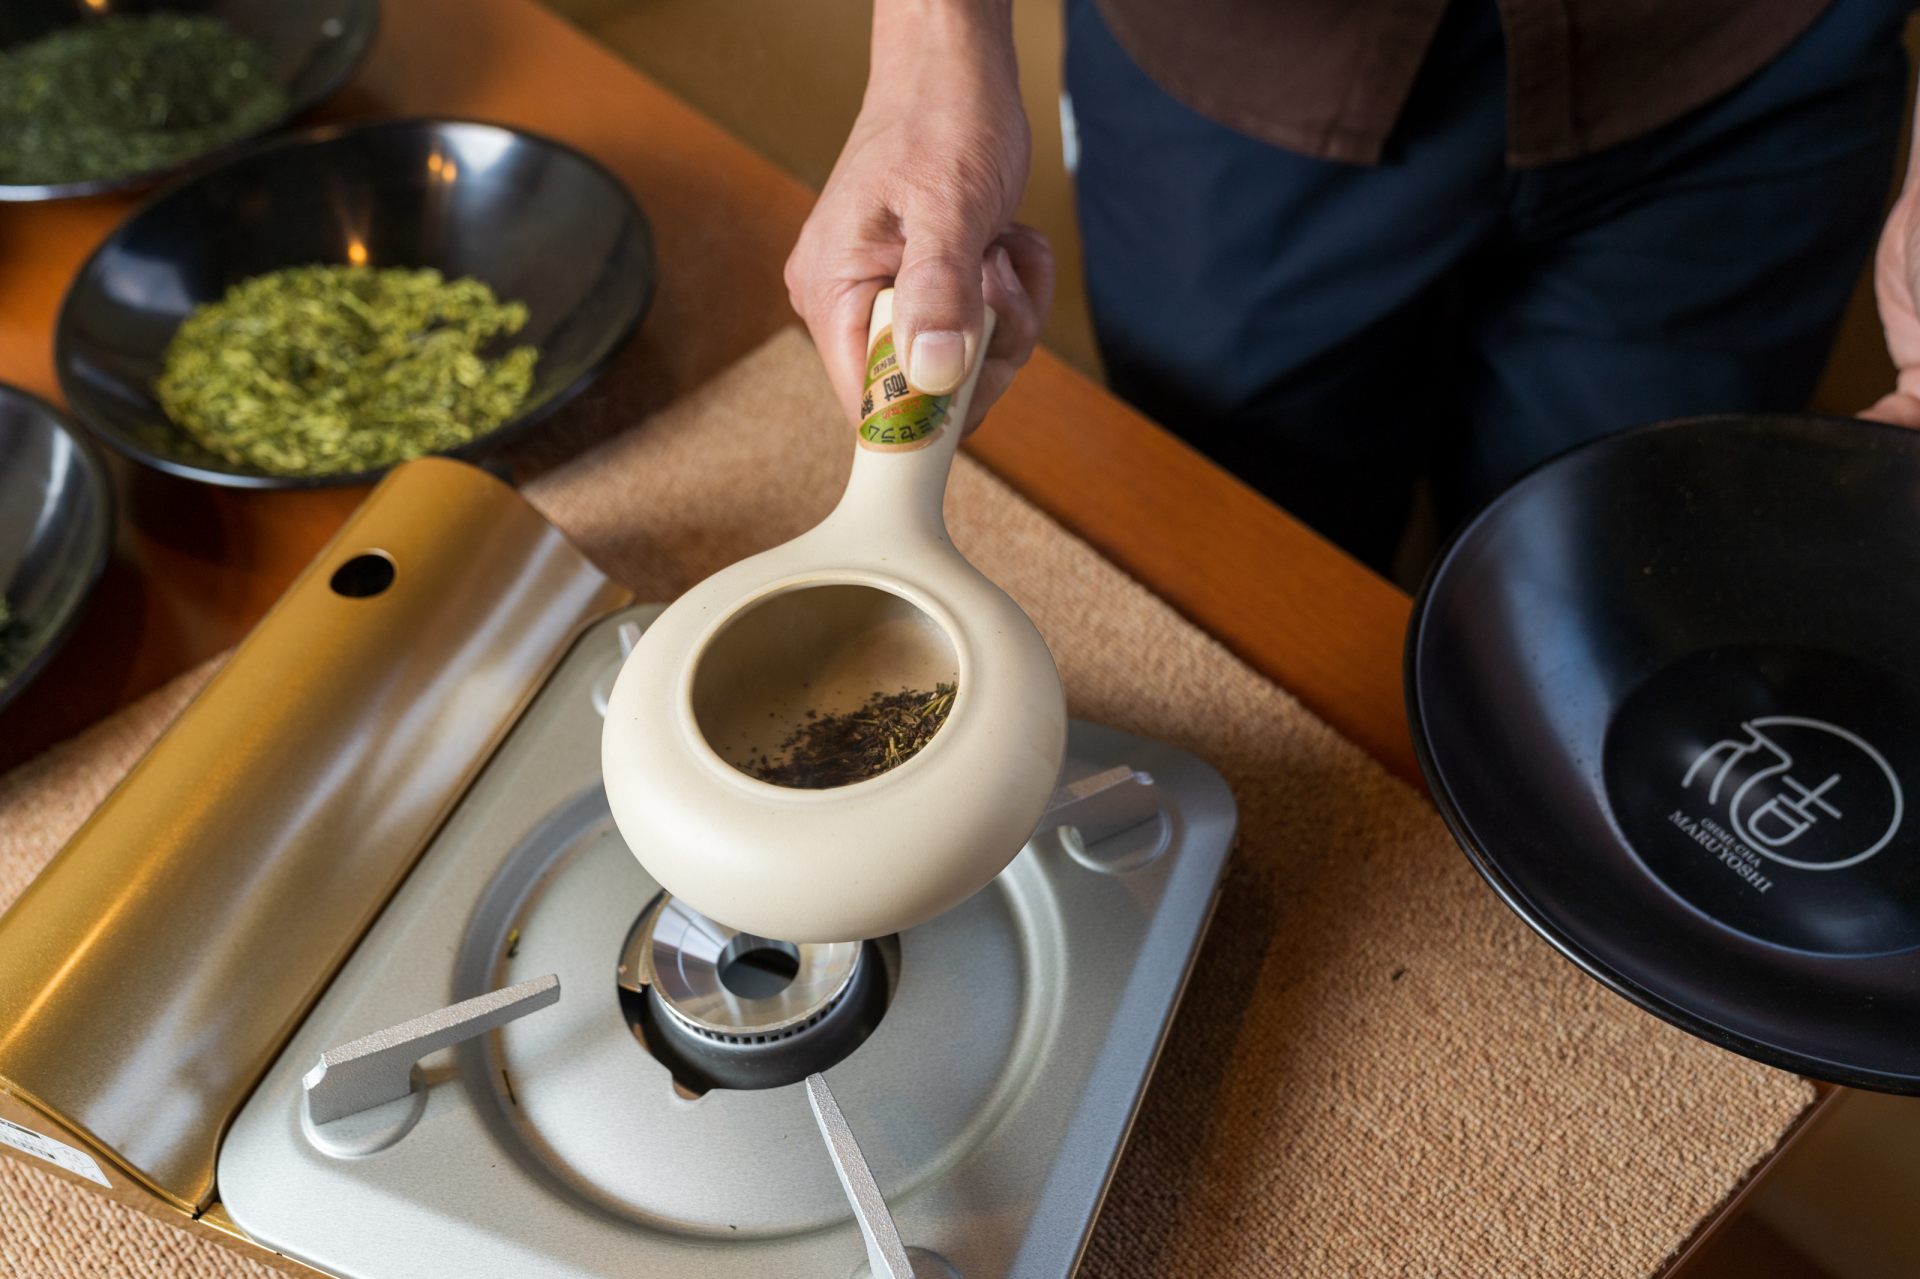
{"x":1666,"y":691}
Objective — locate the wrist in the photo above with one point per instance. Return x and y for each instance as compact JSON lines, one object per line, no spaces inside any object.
{"x":977,"y":33}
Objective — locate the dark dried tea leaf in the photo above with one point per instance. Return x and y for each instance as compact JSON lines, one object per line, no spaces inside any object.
{"x":320,"y":369}
{"x":884,"y":732}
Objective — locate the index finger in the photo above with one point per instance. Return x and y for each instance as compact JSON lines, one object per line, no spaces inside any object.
{"x":840,"y":334}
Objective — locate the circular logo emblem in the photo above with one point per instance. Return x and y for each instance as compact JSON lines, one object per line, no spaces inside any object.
{"x":1801,"y":792}
{"x":1766,"y":785}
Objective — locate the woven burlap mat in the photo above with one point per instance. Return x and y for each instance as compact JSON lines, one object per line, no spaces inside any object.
{"x":1377,"y":1071}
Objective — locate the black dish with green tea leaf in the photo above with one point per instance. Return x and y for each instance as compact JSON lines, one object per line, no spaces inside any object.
{"x":538,"y":224}
{"x":311,"y":370}
{"x":102,"y":98}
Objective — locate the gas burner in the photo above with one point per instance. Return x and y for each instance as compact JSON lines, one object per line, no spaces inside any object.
{"x":537,"y":1063}
{"x":726,"y":1009}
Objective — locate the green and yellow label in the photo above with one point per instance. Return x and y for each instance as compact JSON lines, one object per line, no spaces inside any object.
{"x":893,"y":416}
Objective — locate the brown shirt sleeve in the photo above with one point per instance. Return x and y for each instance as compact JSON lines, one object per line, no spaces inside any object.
{"x":1328,"y":78}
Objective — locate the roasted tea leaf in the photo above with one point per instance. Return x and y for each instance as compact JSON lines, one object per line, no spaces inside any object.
{"x":884,"y":732}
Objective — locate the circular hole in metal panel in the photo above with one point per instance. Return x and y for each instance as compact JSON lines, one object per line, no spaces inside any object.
{"x":364,"y":576}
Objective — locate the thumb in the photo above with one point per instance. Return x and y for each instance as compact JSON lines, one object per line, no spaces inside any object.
{"x":937,"y":307}
{"x":1898,"y":408}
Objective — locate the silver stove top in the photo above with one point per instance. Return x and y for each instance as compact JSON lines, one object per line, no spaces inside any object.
{"x":991,"y":1087}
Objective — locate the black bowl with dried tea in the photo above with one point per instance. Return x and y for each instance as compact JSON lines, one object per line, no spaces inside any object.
{"x":96,"y":99}
{"x":318,"y":369}
{"x":534,"y":224}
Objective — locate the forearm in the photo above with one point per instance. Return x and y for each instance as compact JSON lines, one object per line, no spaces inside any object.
{"x":924,"y":197}
{"x":971,"y":36}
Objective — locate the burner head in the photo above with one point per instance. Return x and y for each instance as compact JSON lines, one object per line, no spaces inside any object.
{"x":726,"y":1009}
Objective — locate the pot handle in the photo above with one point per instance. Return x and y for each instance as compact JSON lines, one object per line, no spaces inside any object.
{"x":906,"y":440}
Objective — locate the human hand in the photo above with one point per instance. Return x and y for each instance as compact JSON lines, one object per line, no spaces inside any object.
{"x":1896,"y":291}
{"x":923,"y":198}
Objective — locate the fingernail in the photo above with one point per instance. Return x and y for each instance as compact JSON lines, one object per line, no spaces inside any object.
{"x":939,"y":360}
{"x":1003,"y":266}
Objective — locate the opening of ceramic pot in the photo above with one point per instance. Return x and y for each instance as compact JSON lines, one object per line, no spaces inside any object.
{"x":802,"y":655}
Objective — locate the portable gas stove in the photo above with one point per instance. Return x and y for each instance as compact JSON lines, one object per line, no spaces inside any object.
{"x":535,"y":1064}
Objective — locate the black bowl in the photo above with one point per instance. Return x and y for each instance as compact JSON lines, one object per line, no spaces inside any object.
{"x":1666,"y":691}
{"x":56,"y":531}
{"x":314,"y":45}
{"x":539,"y":222}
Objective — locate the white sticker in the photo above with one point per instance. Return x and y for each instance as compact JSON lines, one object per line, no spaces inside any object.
{"x":57,"y":1153}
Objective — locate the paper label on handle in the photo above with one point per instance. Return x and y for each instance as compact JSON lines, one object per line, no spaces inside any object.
{"x":895,"y":418}
{"x":57,"y":1153}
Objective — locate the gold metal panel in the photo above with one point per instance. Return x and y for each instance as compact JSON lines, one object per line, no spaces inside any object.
{"x":213,"y":1224}
{"x":157,"y":966}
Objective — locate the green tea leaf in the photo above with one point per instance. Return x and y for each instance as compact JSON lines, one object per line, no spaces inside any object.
{"x":116,"y":96}
{"x":316,"y":370}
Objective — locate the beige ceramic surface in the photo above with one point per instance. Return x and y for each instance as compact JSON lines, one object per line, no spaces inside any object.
{"x":873,"y":599}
